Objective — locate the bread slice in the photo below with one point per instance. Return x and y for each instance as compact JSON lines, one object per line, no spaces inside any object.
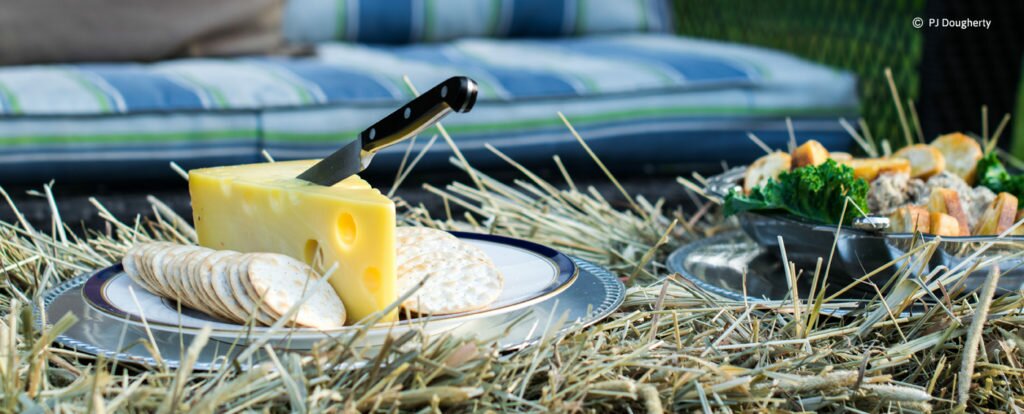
{"x":942,"y":224}
{"x":910,"y":219}
{"x":765,"y":168}
{"x":870,"y":168}
{"x":962,"y":154}
{"x":925,"y":160}
{"x":810,"y":153}
{"x":947,"y":201}
{"x":840,"y":156}
{"x":999,"y":215}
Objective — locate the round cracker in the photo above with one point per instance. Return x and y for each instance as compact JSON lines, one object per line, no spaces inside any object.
{"x":142,"y":263}
{"x":202,"y":290}
{"x":250,"y":291}
{"x":202,"y":279}
{"x":172,"y":269}
{"x":283,"y":282}
{"x":248,"y":303}
{"x":457,"y":280}
{"x":221,"y":285}
{"x":189,"y":267}
{"x":130,"y":264}
{"x":414,"y":241}
{"x":149,"y":263}
{"x":155,"y":259}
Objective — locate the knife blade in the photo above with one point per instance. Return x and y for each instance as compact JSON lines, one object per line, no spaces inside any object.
{"x":457,"y":94}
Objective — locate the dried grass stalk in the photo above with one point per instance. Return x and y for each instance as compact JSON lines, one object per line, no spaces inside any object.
{"x":669,"y":348}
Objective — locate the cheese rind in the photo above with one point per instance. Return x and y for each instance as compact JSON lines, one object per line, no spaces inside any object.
{"x":264,"y":208}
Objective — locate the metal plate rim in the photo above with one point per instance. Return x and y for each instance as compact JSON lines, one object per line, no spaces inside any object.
{"x":614,"y":297}
{"x":675,"y":260}
{"x":566,"y":274}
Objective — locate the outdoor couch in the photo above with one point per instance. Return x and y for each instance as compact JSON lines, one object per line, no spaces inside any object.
{"x":637,"y":93}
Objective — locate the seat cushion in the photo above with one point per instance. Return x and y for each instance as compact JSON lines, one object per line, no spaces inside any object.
{"x":637,"y":98}
{"x":413,"y":21}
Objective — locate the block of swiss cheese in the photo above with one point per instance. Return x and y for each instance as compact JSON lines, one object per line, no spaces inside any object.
{"x":264,"y":208}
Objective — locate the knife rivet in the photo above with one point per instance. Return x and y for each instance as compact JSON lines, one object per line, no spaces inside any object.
{"x":407,"y":113}
{"x":373,"y":133}
{"x":444,"y":91}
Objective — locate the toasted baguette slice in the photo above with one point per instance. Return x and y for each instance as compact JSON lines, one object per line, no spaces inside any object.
{"x":944,"y":225}
{"x":870,"y":168}
{"x":999,"y":215}
{"x":765,"y":168}
{"x":810,"y":153}
{"x":1020,"y":215}
{"x":840,"y":156}
{"x":925,"y":161}
{"x":947,"y":201}
{"x":962,"y":154}
{"x":910,"y":219}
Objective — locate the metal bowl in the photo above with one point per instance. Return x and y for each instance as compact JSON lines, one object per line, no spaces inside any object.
{"x":864,"y":247}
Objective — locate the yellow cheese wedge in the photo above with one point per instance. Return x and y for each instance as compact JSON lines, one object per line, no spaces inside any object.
{"x":264,"y":208}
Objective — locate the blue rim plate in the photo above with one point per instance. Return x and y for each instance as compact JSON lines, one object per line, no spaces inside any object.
{"x":593,"y":296}
{"x":533,"y":273}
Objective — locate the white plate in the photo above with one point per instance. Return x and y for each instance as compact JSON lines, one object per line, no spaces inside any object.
{"x":532,"y":273}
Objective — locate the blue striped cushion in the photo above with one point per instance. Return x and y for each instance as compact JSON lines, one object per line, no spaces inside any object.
{"x":411,"y":21}
{"x":688,"y":100}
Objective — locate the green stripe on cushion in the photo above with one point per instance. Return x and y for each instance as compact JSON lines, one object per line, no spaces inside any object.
{"x":647,"y":114}
{"x":495,"y":16}
{"x":142,"y":138}
{"x":96,"y":92}
{"x":311,"y":136}
{"x":580,"y":120}
{"x":644,"y":24}
{"x":218,"y":97}
{"x":429,"y":19}
{"x":13,"y":107}
{"x":340,"y":26}
{"x":305,"y":97}
{"x":580,"y":21}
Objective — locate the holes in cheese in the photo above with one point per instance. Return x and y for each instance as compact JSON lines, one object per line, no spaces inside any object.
{"x":312,"y":253}
{"x":264,"y":208}
{"x":372,"y":277}
{"x":347,"y":228}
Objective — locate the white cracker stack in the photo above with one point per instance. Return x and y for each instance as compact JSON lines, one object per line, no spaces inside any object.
{"x":237,"y":287}
{"x":459,"y":277}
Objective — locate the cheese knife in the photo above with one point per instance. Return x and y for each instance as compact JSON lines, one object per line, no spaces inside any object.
{"x":457,"y":94}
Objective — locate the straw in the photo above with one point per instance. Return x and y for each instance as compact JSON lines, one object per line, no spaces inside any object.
{"x":670,"y":347}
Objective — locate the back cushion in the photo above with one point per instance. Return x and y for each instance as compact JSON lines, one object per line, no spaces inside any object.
{"x":410,"y":21}
{"x":63,"y":31}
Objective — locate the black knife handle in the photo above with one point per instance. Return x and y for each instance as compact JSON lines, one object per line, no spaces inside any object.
{"x":456,"y":94}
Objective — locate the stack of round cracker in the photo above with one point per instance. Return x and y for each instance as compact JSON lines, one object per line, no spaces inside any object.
{"x":456,"y":276}
{"x":258,"y":288}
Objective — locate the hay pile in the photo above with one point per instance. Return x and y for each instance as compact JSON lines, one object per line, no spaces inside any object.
{"x":669,"y":348}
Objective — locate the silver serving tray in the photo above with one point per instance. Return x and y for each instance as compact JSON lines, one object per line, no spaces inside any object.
{"x":533,"y":273}
{"x":595,"y":294}
{"x":732,"y":266}
{"x":862,"y":250}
